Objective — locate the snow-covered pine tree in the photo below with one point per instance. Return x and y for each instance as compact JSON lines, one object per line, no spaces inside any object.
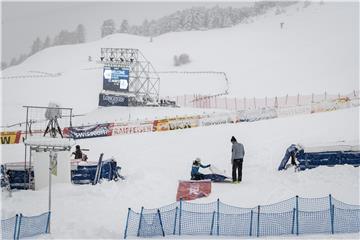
{"x":226,"y":17}
{"x":107,"y":28}
{"x":145,"y":28}
{"x":187,"y":20}
{"x":13,"y":62}
{"x":3,"y":65}
{"x":176,"y":61}
{"x":199,"y":18}
{"x":153,"y":28}
{"x":124,"y":26}
{"x":80,"y":33}
{"x":36,"y":46}
{"x":214,"y":19}
{"x":47,"y":42}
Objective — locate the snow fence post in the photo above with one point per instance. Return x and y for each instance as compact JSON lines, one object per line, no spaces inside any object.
{"x":331,"y":214}
{"x":127,"y":223}
{"x":162,"y":228}
{"x":180,"y":216}
{"x":16,"y":225}
{"x":258,"y":222}
{"x":218,"y":217}
{"x":48,"y":223}
{"x":176,"y":211}
{"x":141,"y":213}
{"x":297,"y":215}
{"x":251,"y":220}
{"x":212,"y":223}
{"x":293,"y":221}
{"x":18,"y":233}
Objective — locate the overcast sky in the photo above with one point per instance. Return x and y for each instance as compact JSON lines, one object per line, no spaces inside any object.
{"x":23,"y":22}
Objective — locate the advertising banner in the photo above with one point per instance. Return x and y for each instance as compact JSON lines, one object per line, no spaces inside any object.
{"x":107,"y":100}
{"x":213,"y":120}
{"x":190,"y":190}
{"x":116,"y":79}
{"x":161,"y":125}
{"x":98,"y":130}
{"x":133,"y":128}
{"x":182,"y":123}
{"x":257,"y":114}
{"x":292,"y":111}
{"x":10,"y":137}
{"x":324,"y":106}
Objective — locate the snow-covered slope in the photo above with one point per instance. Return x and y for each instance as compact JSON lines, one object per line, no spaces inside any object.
{"x":316,"y":50}
{"x":154,"y":162}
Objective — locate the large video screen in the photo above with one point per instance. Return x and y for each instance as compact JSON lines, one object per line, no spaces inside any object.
{"x":116,"y":79}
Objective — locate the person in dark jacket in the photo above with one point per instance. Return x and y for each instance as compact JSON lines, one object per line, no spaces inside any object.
{"x":195,"y":174}
{"x":79,"y":154}
{"x":237,"y":157}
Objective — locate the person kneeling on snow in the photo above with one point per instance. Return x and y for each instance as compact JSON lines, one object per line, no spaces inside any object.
{"x":195,"y":174}
{"x":79,"y":154}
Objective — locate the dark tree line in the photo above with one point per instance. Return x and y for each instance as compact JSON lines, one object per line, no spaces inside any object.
{"x":62,"y":38}
{"x":196,"y":18}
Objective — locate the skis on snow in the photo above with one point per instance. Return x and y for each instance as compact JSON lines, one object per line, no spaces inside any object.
{"x":98,"y":170}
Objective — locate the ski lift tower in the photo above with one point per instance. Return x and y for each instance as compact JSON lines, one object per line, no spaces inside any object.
{"x":129,"y":74}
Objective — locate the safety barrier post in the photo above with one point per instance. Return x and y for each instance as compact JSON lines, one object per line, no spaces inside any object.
{"x":293,"y":221}
{"x":162,"y":228}
{"x":176,"y":211}
{"x":18,"y":233}
{"x":331,"y":216}
{"x":212,"y":223}
{"x":141,"y":213}
{"x":180,"y":216}
{"x":127,"y":223}
{"x":16,"y":226}
{"x":297,"y":215}
{"x":258,"y":222}
{"x":251,"y":220}
{"x":218,"y":216}
{"x":48,"y":223}
{"x":332,"y":211}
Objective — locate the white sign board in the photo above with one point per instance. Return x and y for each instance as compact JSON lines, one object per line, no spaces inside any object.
{"x":41,"y":162}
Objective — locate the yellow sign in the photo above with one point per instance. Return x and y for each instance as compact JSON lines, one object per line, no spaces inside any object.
{"x":10,"y":137}
{"x":53,"y":164}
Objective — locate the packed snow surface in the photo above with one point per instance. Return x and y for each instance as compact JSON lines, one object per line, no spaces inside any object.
{"x":154,"y":162}
{"x":315,"y":51}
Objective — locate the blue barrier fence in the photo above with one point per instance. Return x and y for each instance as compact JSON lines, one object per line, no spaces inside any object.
{"x":21,"y":226}
{"x":296,"y":215}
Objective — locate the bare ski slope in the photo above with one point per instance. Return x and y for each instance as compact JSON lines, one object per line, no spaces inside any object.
{"x":316,"y":51}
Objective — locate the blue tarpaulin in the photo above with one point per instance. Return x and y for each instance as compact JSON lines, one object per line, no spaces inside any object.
{"x":83,"y":173}
{"x":311,"y":157}
{"x":308,"y":160}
